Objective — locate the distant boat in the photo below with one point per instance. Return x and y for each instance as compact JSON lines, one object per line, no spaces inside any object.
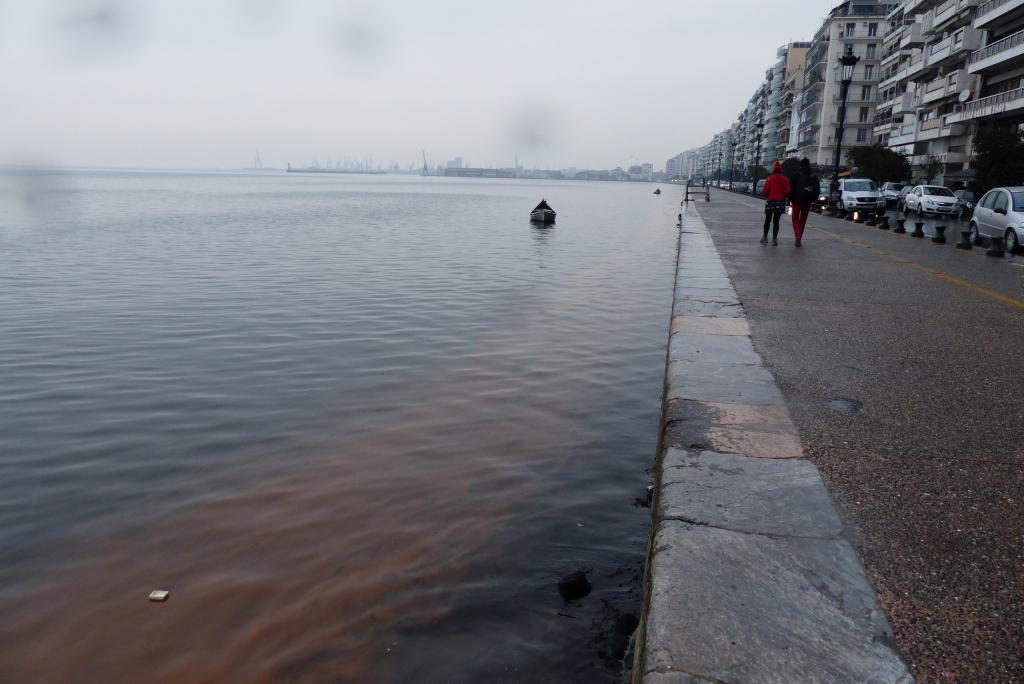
{"x":657,"y":191}
{"x":542,"y":213}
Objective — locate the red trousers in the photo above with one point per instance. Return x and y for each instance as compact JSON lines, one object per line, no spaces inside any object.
{"x":800,"y":214}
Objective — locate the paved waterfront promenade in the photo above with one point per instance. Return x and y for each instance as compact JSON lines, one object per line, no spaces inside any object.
{"x":750,"y":576}
{"x":900,"y":363}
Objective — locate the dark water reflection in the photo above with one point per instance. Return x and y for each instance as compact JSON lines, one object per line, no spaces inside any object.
{"x":358,"y":426}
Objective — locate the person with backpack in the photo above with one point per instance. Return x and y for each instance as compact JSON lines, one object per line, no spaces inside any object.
{"x":776,"y":190}
{"x":806,"y":188}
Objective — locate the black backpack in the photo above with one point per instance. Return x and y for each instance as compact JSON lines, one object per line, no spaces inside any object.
{"x":806,"y":189}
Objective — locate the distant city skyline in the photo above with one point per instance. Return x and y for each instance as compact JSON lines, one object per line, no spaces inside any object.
{"x":205,"y":85}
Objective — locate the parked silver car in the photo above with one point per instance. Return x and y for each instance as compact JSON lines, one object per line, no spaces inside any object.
{"x":932,"y":199}
{"x":891,"y":192}
{"x":1000,"y":213}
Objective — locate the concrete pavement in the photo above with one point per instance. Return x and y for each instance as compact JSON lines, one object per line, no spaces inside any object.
{"x":900,"y":361}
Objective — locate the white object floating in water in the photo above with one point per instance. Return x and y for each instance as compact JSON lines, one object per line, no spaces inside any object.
{"x":159,"y":596}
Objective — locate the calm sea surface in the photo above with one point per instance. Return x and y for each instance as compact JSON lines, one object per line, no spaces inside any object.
{"x":358,"y":426}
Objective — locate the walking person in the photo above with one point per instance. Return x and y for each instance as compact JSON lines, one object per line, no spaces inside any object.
{"x":776,"y":190}
{"x":806,"y":189}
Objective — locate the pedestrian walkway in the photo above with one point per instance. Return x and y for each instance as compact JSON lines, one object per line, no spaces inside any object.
{"x":751,"y":576}
{"x":900,"y":362}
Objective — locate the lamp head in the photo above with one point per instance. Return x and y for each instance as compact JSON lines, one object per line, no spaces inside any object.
{"x":848,"y":62}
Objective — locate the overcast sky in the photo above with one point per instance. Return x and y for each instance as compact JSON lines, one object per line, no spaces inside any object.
{"x":205,"y":83}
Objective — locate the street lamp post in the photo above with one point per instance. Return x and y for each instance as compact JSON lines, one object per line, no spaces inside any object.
{"x":847,"y":62}
{"x":732,"y":164}
{"x":719,"y":165}
{"x":757,"y":157}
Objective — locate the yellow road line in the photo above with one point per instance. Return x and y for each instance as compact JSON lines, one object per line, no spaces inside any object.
{"x":927,"y":269}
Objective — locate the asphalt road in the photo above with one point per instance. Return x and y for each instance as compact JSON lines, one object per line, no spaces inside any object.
{"x":902,"y":362}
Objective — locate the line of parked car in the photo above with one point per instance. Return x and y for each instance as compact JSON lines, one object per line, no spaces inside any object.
{"x":999,"y":212}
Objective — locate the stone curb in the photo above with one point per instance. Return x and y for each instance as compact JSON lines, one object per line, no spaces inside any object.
{"x":751,"y":576}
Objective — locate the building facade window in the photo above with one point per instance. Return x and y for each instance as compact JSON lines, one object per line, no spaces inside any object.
{"x":862,"y":135}
{"x":865,"y":93}
{"x":850,"y":29}
{"x":871,"y":51}
{"x":869,"y":72}
{"x":872,"y":30}
{"x":864,"y":113}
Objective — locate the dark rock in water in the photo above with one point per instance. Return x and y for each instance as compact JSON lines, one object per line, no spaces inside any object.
{"x":574,"y":586}
{"x":625,"y":625}
{"x":646,"y":501}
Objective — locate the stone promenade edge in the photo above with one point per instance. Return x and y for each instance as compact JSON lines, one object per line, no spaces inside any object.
{"x":751,"y":576}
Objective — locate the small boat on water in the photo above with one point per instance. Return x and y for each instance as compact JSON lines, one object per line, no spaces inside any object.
{"x":657,"y":191}
{"x":542,"y":213}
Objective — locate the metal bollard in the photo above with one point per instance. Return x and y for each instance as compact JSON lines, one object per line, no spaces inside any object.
{"x":918,"y":229}
{"x":965,"y":240}
{"x":940,"y":235}
{"x":995,"y":247}
{"x":883,"y":223}
{"x":901,"y":226}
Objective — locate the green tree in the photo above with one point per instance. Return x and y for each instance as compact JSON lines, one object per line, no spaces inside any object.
{"x":1000,"y":157}
{"x":879,"y":163}
{"x":932,"y":169}
{"x":761,"y":174}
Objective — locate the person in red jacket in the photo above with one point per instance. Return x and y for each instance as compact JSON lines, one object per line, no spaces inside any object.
{"x":776,"y":190}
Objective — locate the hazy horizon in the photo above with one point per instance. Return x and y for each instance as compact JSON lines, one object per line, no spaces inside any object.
{"x":191,"y":85}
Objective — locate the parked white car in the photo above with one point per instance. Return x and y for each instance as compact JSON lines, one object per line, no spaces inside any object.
{"x":1000,"y":213}
{"x":932,"y":199}
{"x":860,"y":194}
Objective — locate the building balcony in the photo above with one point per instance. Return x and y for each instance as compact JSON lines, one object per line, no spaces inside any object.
{"x":914,"y":36}
{"x":935,"y":21}
{"x":916,"y":66}
{"x":890,"y":58}
{"x":942,"y":87}
{"x":913,"y":7}
{"x":999,"y":56}
{"x":903,"y":135}
{"x":882,"y":126}
{"x":994,"y":12}
{"x":893,"y":78}
{"x":905,"y":104}
{"x":993,"y":107}
{"x":964,"y":40}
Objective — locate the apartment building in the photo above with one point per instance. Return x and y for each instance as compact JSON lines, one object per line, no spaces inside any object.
{"x":994,"y":94}
{"x":925,"y":79}
{"x":854,"y":27}
{"x":786,"y":81}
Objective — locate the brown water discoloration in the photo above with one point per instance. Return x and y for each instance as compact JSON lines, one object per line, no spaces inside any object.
{"x":304,"y":578}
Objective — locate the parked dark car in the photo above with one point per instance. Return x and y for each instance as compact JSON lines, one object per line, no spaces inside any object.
{"x":824,"y":190}
{"x":901,"y":201}
{"x":967,"y":200}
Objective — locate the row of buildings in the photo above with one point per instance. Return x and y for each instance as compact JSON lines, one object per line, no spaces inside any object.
{"x":931,"y":73}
